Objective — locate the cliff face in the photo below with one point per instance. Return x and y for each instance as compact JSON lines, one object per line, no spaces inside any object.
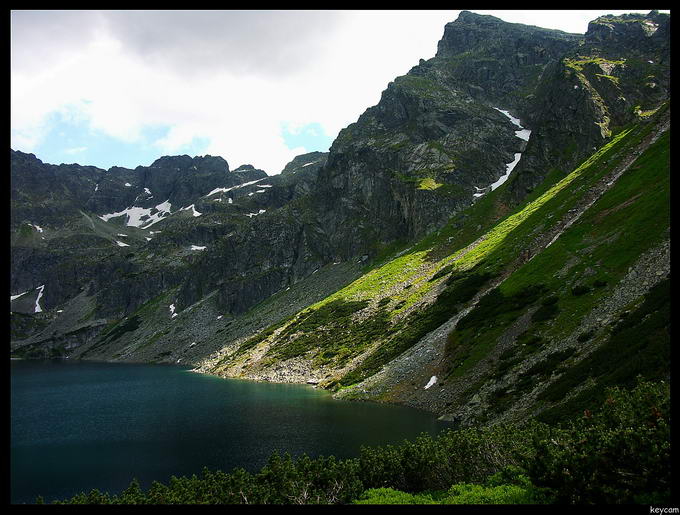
{"x":500,"y":61}
{"x":141,"y":264}
{"x":620,"y":70}
{"x":408,"y":163}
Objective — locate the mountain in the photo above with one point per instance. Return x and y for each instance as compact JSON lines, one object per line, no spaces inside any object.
{"x":488,"y":242}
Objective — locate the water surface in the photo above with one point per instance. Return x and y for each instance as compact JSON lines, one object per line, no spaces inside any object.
{"x":76,"y":426}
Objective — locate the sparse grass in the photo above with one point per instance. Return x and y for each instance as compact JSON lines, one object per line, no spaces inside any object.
{"x":579,"y":64}
{"x":428,"y":183}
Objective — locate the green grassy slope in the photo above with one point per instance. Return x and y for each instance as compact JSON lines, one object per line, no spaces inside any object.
{"x":550,"y":284}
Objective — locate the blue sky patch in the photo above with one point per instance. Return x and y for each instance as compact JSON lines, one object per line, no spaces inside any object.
{"x":73,"y":141}
{"x":311,"y":137}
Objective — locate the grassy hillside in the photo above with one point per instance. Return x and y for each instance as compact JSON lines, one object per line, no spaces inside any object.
{"x":519,"y":286}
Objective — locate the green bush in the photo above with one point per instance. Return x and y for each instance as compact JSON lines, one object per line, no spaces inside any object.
{"x":508,"y":486}
{"x":619,"y":454}
{"x":545,"y":312}
{"x":585,"y":336}
{"x":494,"y":304}
{"x":391,"y":496}
{"x":468,"y":455}
{"x":481,"y":494}
{"x":579,"y":290}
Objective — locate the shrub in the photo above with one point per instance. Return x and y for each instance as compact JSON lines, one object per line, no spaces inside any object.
{"x":468,"y":455}
{"x":494,"y":304}
{"x":619,"y":454}
{"x":391,"y":496}
{"x":579,"y":290}
{"x":552,"y":299}
{"x":508,"y":486}
{"x":585,"y":336}
{"x":545,"y":312}
{"x":481,"y":494}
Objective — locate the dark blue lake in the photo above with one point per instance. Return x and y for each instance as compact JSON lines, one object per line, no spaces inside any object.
{"x":76,"y":426}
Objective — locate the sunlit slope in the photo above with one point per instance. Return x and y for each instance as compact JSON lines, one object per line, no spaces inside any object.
{"x":580,"y":231}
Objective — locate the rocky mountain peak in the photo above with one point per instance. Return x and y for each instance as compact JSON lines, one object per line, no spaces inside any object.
{"x":244,"y":168}
{"x":478,"y":19}
{"x":472,"y":32}
{"x":205,"y":163}
{"x":625,"y":29}
{"x":310,"y":160}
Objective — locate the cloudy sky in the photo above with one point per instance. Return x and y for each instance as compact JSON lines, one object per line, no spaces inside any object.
{"x":123,"y":88}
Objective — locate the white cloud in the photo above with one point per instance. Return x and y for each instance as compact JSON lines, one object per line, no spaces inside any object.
{"x":233,"y":78}
{"x":75,"y":150}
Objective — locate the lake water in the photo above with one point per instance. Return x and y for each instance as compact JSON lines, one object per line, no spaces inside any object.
{"x":76,"y":426}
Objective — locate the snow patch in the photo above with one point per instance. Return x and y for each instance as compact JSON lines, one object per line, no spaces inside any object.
{"x":508,"y":169}
{"x":172,"y":310}
{"x":136,"y":214}
{"x":196,"y":247}
{"x":193,"y":209}
{"x":522,"y":134}
{"x":224,"y":190}
{"x":38,"y":309}
{"x":121,"y":244}
{"x":12,"y":297}
{"x":250,"y":215}
{"x":432,"y":381}
{"x":127,"y":185}
{"x":37,"y":227}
